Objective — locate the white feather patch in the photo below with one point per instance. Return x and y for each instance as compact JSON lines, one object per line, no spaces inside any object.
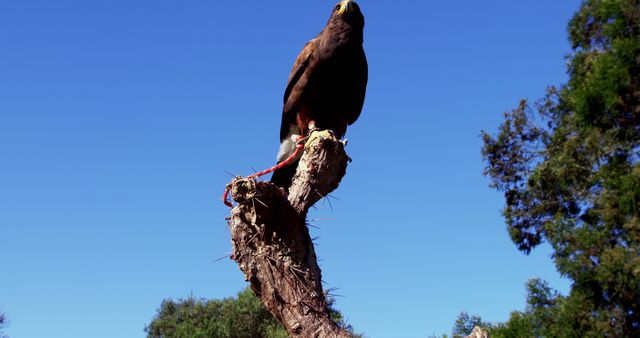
{"x":288,"y":145}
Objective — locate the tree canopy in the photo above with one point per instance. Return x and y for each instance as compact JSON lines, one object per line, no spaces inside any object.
{"x":569,"y":169}
{"x":241,"y":317}
{"x":244,"y":316}
{"x":465,"y":324}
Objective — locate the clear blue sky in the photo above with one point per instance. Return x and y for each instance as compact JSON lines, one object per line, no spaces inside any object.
{"x":118,"y":120}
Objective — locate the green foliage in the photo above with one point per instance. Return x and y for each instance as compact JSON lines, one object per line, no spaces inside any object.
{"x":547,"y":314}
{"x":465,"y":324}
{"x":244,"y":316}
{"x":569,"y":168}
{"x":540,"y":317}
{"x":241,"y":317}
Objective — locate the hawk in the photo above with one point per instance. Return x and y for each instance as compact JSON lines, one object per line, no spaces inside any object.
{"x":327,"y":85}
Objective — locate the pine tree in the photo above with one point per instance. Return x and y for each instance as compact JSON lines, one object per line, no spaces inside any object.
{"x":569,"y":169}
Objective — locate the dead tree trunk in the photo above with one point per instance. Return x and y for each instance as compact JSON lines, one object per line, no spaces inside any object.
{"x":271,"y":242}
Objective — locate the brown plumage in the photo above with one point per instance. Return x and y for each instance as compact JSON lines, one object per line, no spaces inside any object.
{"x":327,"y":84}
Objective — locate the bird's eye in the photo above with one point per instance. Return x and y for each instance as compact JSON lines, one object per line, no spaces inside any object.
{"x":338,"y":6}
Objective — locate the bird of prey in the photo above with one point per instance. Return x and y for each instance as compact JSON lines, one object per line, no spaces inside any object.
{"x":327,"y":84}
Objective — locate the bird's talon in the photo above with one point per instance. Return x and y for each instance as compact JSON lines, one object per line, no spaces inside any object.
{"x":312,"y":129}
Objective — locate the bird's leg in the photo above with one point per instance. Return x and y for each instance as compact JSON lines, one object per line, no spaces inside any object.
{"x":312,"y":127}
{"x":314,"y":132}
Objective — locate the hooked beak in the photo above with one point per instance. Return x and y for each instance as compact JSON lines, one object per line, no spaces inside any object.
{"x":347,"y":6}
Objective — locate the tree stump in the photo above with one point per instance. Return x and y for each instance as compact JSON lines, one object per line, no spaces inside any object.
{"x":271,"y":241}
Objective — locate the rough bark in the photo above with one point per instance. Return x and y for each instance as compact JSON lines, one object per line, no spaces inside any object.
{"x":271,"y":241}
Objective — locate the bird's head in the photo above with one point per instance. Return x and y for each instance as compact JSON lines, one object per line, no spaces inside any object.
{"x":348,"y":11}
